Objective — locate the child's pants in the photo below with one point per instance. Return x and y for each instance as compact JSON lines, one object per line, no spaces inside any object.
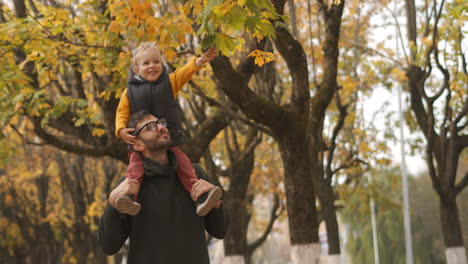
{"x":185,"y":170}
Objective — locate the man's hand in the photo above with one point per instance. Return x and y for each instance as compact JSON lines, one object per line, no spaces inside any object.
{"x":207,"y":57}
{"x":126,"y":136}
{"x":128,"y":186}
{"x":200,"y":187}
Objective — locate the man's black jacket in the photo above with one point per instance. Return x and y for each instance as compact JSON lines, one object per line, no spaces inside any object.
{"x":167,"y":229}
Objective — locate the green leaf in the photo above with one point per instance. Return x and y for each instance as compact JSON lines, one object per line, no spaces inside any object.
{"x":79,"y":122}
{"x":81,"y":103}
{"x":236,"y":18}
{"x":225,"y":43}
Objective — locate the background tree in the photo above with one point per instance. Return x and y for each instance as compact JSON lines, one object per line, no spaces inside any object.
{"x":436,"y":72}
{"x":385,"y":189}
{"x":301,"y":122}
{"x":51,"y":202}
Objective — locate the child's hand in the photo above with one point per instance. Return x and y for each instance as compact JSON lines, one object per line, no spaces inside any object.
{"x":126,"y":136}
{"x":207,"y":57}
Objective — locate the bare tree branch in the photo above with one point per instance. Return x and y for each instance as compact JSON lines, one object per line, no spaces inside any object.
{"x":33,"y":7}
{"x":62,"y":38}
{"x":117,"y":152}
{"x":463,"y":113}
{"x":312,"y":48}
{"x":462,"y":55}
{"x":27,"y":141}
{"x":430,"y":158}
{"x":342,"y":109}
{"x":2,"y":13}
{"x":400,"y":35}
{"x":225,"y":107}
{"x":462,"y":184}
{"x":273,"y":216}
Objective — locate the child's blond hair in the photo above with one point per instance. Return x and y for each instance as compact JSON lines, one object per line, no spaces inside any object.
{"x":143,"y":46}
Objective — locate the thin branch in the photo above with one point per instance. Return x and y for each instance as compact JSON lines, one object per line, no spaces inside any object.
{"x":74,"y":148}
{"x":462,"y":55}
{"x":312,"y":47}
{"x":65,"y":40}
{"x":462,"y":113}
{"x":273,"y":216}
{"x":372,"y":51}
{"x":212,"y":169}
{"x":350,"y":164}
{"x":227,"y":145}
{"x":2,"y":14}
{"x":436,"y":48}
{"x":399,"y":33}
{"x":24,"y":139}
{"x":428,"y":18}
{"x":228,"y":110}
{"x":234,"y":138}
{"x":336,"y":130}
{"x":462,"y":184}
{"x":430,"y":157}
{"x":33,"y":7}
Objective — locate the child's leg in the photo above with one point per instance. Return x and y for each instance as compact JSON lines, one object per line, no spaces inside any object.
{"x":135,"y":170}
{"x":186,"y":172}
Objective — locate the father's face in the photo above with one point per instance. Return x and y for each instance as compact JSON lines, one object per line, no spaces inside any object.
{"x":154,"y":134}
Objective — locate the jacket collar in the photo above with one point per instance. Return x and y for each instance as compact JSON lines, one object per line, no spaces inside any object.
{"x":156,"y":169}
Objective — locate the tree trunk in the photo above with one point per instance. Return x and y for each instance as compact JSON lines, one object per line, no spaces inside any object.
{"x":235,"y":243}
{"x":451,"y":230}
{"x":327,"y":200}
{"x":302,"y":214}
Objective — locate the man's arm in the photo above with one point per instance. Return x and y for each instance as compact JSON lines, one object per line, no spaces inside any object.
{"x":114,"y":227}
{"x":217,"y":220}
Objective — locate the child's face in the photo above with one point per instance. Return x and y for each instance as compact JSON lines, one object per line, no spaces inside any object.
{"x":148,"y":64}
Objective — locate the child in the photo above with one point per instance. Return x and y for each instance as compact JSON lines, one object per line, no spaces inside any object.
{"x":151,"y":88}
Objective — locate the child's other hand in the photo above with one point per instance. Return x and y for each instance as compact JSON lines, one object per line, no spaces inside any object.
{"x":126,"y":136}
{"x":207,"y":57}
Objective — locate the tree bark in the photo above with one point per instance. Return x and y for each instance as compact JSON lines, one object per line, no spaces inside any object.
{"x":327,"y":201}
{"x":451,"y":227}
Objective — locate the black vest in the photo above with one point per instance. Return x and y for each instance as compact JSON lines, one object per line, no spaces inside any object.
{"x":157,"y":98}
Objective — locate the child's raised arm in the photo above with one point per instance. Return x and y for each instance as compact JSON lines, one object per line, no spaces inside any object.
{"x":207,"y":57}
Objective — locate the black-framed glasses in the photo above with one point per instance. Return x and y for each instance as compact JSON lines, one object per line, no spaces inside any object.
{"x":152,"y":125}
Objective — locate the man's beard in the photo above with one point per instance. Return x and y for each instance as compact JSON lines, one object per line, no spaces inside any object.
{"x":155,"y":145}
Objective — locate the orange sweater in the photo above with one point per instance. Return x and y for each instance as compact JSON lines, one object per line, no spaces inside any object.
{"x":178,"y":79}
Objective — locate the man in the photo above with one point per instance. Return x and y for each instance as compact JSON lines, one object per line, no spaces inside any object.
{"x":167,"y":229}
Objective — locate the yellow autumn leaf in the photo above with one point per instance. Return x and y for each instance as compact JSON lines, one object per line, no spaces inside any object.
{"x":261,"y":57}
{"x":398,"y":74}
{"x":8,"y":200}
{"x":99,"y":132}
{"x":114,"y":27}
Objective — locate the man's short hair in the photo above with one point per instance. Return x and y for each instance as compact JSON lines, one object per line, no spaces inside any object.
{"x":137,"y":117}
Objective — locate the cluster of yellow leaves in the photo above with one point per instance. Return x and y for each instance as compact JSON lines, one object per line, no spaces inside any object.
{"x":261,"y":57}
{"x":140,"y":21}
